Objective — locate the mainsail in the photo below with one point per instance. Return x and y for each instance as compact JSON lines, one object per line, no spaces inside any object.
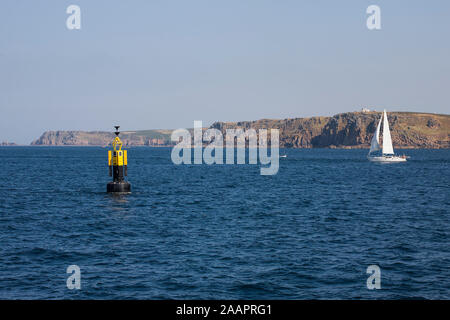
{"x":387,"y":141}
{"x":375,"y":144}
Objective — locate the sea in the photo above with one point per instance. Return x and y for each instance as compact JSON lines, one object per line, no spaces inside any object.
{"x":224,"y":231}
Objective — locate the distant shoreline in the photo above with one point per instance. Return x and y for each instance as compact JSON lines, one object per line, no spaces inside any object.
{"x":171,"y":146}
{"x":351,"y":130}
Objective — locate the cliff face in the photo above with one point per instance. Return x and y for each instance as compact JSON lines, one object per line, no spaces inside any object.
{"x":61,"y":138}
{"x":345,"y":130}
{"x":7,"y":144}
{"x":355,"y":130}
{"x":101,"y":138}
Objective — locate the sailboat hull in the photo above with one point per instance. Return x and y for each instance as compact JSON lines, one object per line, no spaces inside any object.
{"x":387,"y":159}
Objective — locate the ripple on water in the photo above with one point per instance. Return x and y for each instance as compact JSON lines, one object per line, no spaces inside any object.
{"x":226,"y":232}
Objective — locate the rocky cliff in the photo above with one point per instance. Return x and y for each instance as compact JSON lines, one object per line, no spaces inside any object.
{"x":345,"y":130}
{"x":355,"y":130}
{"x":102,"y":138}
{"x":7,"y":144}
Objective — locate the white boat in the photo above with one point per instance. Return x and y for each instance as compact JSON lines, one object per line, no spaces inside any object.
{"x":387,"y":151}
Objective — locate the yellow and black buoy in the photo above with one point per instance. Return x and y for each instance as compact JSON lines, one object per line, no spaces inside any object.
{"x":118,"y":166}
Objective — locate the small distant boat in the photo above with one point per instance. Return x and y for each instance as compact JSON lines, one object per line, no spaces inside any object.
{"x":283,"y":156}
{"x":387,"y":151}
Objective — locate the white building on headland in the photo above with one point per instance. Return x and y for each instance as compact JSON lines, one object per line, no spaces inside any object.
{"x":365,"y":110}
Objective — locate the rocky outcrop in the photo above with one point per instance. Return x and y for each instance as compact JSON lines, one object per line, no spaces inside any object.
{"x":355,"y":130}
{"x":102,"y":138}
{"x":6,"y":144}
{"x":80,"y":138}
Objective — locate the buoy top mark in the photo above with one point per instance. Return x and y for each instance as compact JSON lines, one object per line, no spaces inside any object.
{"x":117,"y":143}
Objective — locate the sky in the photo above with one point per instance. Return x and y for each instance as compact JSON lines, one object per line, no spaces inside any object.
{"x":161,"y":64}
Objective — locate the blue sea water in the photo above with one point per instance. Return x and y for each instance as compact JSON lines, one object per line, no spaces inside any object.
{"x":224,"y":231}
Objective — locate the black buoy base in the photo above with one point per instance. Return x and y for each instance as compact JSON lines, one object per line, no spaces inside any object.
{"x":118,"y":186}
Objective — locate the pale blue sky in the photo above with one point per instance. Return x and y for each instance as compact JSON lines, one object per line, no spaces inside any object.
{"x":163,"y":64}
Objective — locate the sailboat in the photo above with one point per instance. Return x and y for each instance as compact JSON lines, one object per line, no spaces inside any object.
{"x":387,"y":151}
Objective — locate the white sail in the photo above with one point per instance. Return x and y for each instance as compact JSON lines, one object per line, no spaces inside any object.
{"x":387,"y":141}
{"x":375,"y":143}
